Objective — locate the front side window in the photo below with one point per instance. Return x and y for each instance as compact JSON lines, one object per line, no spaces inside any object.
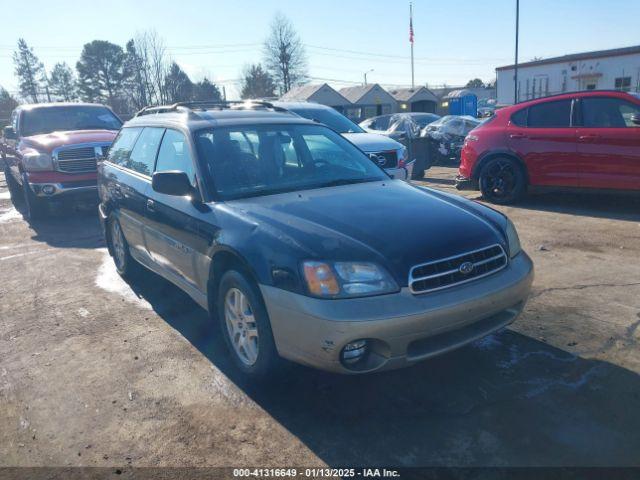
{"x":121,"y":149}
{"x":174,"y":155}
{"x":603,"y":112}
{"x":283,"y":158}
{"x":143,"y":155}
{"x":41,"y":120}
{"x":550,"y":115}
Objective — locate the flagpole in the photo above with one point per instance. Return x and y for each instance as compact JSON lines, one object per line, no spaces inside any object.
{"x":413,"y":84}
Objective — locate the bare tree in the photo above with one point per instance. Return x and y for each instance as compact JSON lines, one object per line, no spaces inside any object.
{"x":284,"y":54}
{"x":147,"y":68}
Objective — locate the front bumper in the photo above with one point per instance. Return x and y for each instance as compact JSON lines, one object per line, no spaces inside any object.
{"x":57,"y":184}
{"x":402,"y":328}
{"x":464,"y":183}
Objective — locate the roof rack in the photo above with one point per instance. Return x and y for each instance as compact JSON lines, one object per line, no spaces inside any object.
{"x":210,"y":105}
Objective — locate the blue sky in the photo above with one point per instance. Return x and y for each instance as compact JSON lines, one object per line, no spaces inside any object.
{"x":455,"y":40}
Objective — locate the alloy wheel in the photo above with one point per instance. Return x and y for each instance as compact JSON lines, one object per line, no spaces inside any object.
{"x":241,"y":326}
{"x":501,"y":179}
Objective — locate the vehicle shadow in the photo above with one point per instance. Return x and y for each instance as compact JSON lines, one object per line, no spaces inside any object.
{"x":66,"y":225}
{"x":622,"y":206}
{"x":505,"y":400}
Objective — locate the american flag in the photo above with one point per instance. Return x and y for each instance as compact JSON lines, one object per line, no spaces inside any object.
{"x":411,"y":24}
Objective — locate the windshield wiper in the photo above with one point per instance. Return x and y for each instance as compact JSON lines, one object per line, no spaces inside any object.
{"x":346,"y":181}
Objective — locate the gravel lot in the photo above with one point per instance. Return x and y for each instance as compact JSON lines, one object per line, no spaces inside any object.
{"x":97,"y":372}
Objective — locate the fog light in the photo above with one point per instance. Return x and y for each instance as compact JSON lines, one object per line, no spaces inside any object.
{"x":354,"y":351}
{"x":48,"y":189}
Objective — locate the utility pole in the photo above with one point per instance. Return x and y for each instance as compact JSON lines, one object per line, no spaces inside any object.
{"x":224,"y":93}
{"x":413,"y":83}
{"x":515,"y":75}
{"x":365,"y":76}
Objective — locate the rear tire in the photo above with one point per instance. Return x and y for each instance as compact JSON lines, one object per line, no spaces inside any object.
{"x":246,"y":326}
{"x":126,"y":266}
{"x":35,"y":207}
{"x":502,"y":181}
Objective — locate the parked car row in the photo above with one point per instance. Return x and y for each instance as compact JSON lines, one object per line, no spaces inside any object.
{"x":301,"y":246}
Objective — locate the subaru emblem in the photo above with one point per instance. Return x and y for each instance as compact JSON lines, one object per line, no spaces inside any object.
{"x":466,"y":268}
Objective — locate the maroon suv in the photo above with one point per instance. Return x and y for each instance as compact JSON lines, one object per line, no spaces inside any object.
{"x":585,"y":140}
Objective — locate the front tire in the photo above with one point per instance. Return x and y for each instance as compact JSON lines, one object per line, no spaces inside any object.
{"x":246,"y":326}
{"x":502,"y":181}
{"x":35,"y":207}
{"x":12,"y":185}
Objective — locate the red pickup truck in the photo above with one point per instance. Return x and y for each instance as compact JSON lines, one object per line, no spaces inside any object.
{"x":51,"y":150}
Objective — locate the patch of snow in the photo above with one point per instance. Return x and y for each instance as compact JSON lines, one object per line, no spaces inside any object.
{"x":10,"y":215}
{"x":109,"y":280}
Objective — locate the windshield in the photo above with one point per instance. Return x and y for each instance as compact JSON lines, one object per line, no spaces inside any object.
{"x":63,"y":118}
{"x":261,"y":160}
{"x":330,"y":117}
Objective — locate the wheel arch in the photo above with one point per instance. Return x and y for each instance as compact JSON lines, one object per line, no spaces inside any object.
{"x":475,"y":174}
{"x":223,"y":260}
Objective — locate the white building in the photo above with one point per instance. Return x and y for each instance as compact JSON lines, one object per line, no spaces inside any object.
{"x":617,"y":69}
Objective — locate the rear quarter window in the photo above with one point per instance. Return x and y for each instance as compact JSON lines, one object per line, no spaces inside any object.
{"x":120,"y":151}
{"x":519,"y":118}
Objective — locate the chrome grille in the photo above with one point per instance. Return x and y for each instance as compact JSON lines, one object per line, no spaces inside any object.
{"x":80,"y":159}
{"x":456,"y":270}
{"x":77,"y":153}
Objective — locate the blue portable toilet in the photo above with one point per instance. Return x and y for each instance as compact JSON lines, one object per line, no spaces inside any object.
{"x":463,"y":102}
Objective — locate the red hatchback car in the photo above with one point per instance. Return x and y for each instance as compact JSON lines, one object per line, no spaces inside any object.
{"x":585,"y":140}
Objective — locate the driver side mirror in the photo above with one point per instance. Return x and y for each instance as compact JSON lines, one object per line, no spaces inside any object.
{"x":9,"y":133}
{"x":172,"y":182}
{"x":635,"y":119}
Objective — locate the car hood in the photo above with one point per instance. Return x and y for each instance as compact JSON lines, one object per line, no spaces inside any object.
{"x":391,"y":222}
{"x":47,"y":142}
{"x":372,"y":142}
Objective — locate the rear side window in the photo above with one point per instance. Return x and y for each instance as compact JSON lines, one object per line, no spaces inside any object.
{"x":550,"y":115}
{"x":603,"y":112}
{"x":174,"y":154}
{"x":121,"y":149}
{"x":143,"y":155}
{"x":520,"y":118}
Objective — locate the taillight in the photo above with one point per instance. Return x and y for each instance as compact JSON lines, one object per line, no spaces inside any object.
{"x":403,"y":157}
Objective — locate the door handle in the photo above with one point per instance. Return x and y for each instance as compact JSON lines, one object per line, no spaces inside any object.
{"x":517,"y":135}
{"x":587,"y":138}
{"x":151,"y":206}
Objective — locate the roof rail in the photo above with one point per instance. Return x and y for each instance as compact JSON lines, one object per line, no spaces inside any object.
{"x":576,"y":92}
{"x":206,"y":105}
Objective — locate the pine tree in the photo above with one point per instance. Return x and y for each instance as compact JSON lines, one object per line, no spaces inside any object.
{"x":29,"y":71}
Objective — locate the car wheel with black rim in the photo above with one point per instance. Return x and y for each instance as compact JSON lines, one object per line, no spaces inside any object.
{"x":246,"y":325}
{"x":126,"y":266}
{"x":34,"y":207}
{"x":502,"y":181}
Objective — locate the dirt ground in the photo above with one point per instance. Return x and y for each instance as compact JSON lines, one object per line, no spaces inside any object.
{"x":98,"y":372}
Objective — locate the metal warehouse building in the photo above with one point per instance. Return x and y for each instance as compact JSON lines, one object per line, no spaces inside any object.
{"x":617,"y":69}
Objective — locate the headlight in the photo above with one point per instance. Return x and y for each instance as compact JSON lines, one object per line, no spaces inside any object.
{"x":346,"y":279}
{"x":512,"y":238}
{"x":34,"y":160}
